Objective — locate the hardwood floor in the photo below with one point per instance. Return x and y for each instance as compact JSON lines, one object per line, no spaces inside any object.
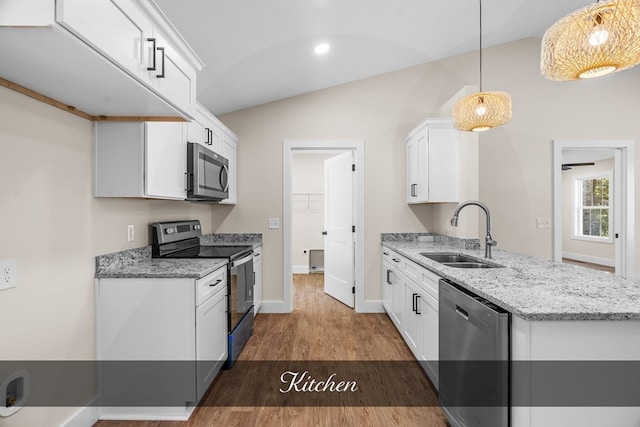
{"x":319,"y":331}
{"x":590,"y":265}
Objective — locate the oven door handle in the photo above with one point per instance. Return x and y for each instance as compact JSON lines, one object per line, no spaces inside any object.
{"x":242,"y":260}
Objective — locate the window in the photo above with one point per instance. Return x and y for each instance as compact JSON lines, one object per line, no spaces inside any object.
{"x":593,"y":219}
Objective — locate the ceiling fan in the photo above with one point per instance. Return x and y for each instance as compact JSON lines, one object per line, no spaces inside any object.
{"x":567,"y":166}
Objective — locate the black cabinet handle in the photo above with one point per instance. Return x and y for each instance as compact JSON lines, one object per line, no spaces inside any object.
{"x":414,"y":302}
{"x":161,"y":75}
{"x":213,"y":284}
{"x":208,"y":141}
{"x":414,"y":193}
{"x":254,"y":278}
{"x":417,"y":306}
{"x":385,"y":253}
{"x":389,"y":277}
{"x":153,"y":49}
{"x":395,"y":260}
{"x":324,"y":233}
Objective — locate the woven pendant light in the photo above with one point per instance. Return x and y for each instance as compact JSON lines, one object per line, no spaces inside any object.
{"x":593,"y":41}
{"x":483,"y":110}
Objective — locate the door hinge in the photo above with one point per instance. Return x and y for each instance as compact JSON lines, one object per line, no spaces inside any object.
{"x":353,"y":228}
{"x":353,"y":290}
{"x":353,"y":168}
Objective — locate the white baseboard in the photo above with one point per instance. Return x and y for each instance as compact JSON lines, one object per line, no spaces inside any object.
{"x":592,"y":259}
{"x":300,"y":269}
{"x":374,"y":306}
{"x":274,"y":307}
{"x":85,"y":417}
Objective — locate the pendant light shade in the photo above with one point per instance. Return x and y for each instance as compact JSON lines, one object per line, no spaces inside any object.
{"x":593,"y":41}
{"x":483,"y":110}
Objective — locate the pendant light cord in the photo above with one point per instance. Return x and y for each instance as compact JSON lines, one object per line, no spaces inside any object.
{"x":480,"y":45}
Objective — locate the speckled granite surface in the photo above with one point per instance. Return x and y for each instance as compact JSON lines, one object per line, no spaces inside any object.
{"x":155,"y":268}
{"x":535,"y":289}
{"x":137,"y":263}
{"x":231,"y":239}
{"x":438,"y":238}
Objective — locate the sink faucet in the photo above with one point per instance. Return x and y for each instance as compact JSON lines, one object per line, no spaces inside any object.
{"x":489,"y":242}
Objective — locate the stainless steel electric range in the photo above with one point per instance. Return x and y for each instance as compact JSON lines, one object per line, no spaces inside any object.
{"x":181,"y":239}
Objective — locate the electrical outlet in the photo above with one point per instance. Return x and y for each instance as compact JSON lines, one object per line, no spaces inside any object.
{"x":543,"y":222}
{"x":274,"y":223}
{"x":130,"y":233}
{"x":8,"y":273}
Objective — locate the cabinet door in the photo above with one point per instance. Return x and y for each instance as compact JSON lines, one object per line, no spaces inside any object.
{"x":173,"y":78}
{"x":388,"y":275}
{"x":165,"y":166}
{"x":111,"y":30}
{"x":412,"y":170}
{"x":228,"y":150}
{"x":211,"y":340}
{"x":442,"y":169}
{"x":412,"y":321}
{"x":257,"y":287}
{"x":430,"y":341}
{"x":196,"y":133}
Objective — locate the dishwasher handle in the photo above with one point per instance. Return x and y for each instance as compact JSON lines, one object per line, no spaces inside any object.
{"x":462,"y":312}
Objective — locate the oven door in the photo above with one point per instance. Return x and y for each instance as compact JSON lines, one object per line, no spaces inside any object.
{"x":241,"y":292}
{"x":207,"y":174}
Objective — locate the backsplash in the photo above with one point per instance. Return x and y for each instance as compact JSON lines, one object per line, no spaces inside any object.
{"x":438,"y":238}
{"x":210,"y":239}
{"x":122,"y":258}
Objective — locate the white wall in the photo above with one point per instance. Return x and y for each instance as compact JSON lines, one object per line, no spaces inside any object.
{"x":596,"y":251}
{"x":307,"y":185}
{"x":515,"y":159}
{"x":54,"y":227}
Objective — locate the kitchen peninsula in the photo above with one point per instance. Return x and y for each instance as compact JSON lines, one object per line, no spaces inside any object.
{"x":561,"y":313}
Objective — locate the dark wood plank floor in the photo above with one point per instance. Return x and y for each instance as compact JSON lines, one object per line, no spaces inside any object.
{"x":590,"y":265}
{"x":319,"y":328}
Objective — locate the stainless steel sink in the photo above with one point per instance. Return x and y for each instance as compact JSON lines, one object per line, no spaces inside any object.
{"x":468,"y":265}
{"x":458,"y":260}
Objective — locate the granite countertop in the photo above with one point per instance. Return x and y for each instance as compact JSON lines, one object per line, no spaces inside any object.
{"x":156,"y":268}
{"x":138,"y":263}
{"x":532,"y":288}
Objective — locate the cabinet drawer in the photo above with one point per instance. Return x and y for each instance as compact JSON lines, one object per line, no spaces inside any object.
{"x":429,"y":282}
{"x":210,"y":285}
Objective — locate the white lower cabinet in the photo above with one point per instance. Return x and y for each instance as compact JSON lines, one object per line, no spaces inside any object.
{"x":409,"y":296}
{"x":257,"y":287}
{"x":161,"y":343}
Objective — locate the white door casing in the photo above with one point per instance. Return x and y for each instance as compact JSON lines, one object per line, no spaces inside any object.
{"x":339,"y":232}
{"x":285,"y":305}
{"x":624,"y":198}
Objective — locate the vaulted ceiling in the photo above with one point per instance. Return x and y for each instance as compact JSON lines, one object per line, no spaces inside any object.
{"x":257,"y":51}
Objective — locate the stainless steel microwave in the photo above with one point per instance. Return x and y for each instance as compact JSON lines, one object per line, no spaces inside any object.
{"x":207,"y":174}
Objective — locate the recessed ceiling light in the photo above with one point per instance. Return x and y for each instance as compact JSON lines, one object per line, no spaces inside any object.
{"x":321,"y":49}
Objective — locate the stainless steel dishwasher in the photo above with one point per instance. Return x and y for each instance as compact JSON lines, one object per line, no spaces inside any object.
{"x":474,"y":359}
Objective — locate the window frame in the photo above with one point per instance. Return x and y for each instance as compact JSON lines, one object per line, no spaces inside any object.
{"x":577,"y":207}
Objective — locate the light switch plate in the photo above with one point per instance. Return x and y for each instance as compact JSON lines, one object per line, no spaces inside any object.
{"x":131,"y":233}
{"x":543,"y":222}
{"x":274,"y":223}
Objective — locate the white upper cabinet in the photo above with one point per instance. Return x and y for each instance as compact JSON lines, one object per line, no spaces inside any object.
{"x":135,"y":159}
{"x":103,"y":57}
{"x":209,"y":131}
{"x":433,"y":162}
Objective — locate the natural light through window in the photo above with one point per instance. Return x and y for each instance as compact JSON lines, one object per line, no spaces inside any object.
{"x":592,"y":219}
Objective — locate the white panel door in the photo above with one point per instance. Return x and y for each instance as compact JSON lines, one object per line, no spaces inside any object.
{"x":339,"y":238}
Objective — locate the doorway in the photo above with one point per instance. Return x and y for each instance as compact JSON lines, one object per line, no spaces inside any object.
{"x":293,"y":199}
{"x":601,"y":232}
